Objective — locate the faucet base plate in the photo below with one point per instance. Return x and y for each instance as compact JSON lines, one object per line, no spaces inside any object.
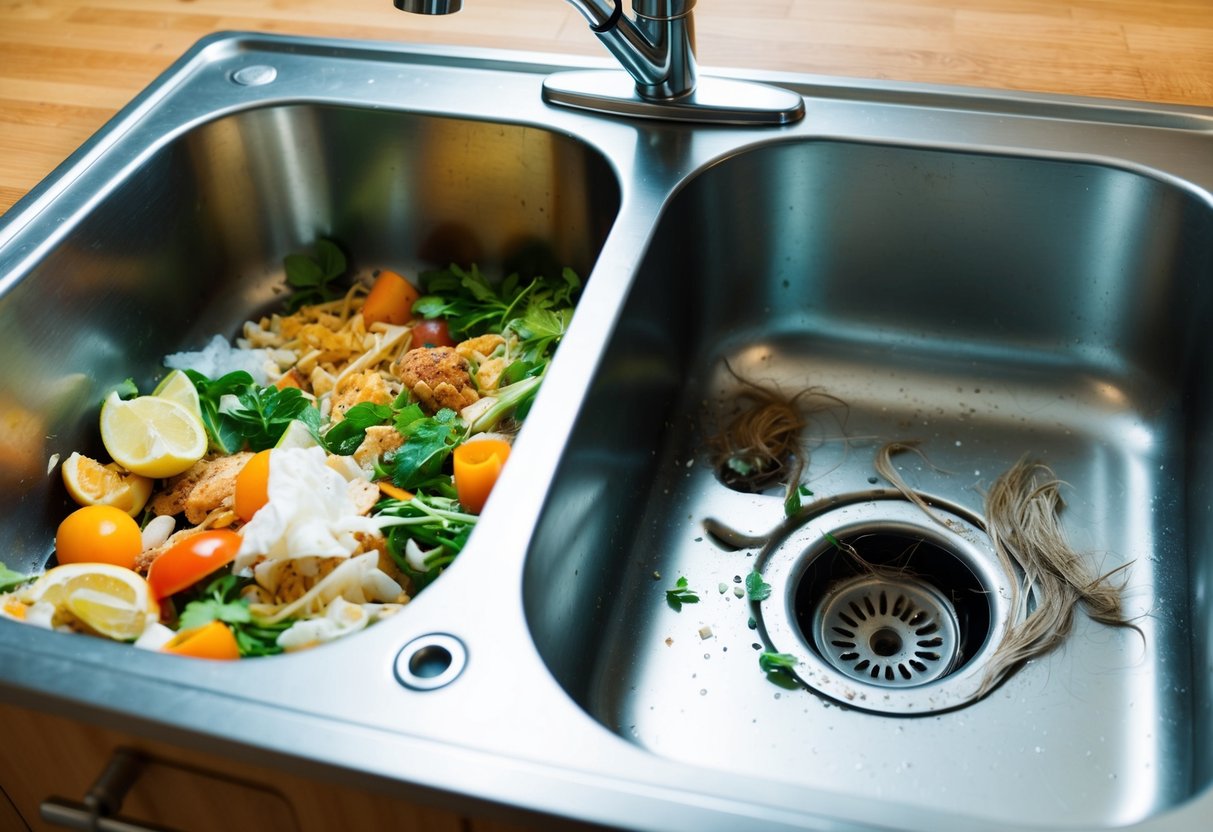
{"x":713,"y":101}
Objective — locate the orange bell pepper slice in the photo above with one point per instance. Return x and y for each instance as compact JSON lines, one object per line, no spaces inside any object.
{"x":390,"y":301}
{"x":214,"y":640}
{"x":477,"y":466}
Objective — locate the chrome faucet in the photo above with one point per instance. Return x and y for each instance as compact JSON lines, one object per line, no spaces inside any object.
{"x":657,"y":51}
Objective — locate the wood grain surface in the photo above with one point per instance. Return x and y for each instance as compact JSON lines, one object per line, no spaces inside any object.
{"x":66,"y":66}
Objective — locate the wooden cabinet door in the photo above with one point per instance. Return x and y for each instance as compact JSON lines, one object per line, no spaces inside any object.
{"x":44,"y":756}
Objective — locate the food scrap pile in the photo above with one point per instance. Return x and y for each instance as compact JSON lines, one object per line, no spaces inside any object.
{"x":307,"y":480}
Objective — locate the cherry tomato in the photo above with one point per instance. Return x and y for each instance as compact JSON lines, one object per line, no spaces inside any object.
{"x":213,"y":640}
{"x":431,"y":334}
{"x":99,"y":534}
{"x":192,"y":559}
{"x":253,"y":486}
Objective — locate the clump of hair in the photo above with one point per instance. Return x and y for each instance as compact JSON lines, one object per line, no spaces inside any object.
{"x":762,"y":446}
{"x":1023,"y":509}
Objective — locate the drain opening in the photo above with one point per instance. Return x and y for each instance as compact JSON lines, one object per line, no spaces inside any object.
{"x":919,"y":616}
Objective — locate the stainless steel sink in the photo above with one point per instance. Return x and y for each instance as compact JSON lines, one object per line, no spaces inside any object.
{"x":991,"y":275}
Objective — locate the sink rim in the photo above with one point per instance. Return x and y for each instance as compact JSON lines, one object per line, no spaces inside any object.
{"x":37,"y":663}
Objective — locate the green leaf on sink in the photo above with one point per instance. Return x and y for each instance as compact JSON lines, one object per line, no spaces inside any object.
{"x":680,"y":595}
{"x":792,"y":503}
{"x":756,"y":588}
{"x":779,"y":667}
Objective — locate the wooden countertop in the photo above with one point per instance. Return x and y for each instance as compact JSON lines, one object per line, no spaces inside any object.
{"x":66,"y":66}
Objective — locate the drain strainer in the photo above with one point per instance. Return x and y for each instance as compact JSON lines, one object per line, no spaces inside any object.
{"x":883,"y":607}
{"x":890,"y":630}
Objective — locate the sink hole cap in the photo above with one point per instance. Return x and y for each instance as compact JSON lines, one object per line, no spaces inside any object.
{"x":430,"y":662}
{"x":255,"y":75}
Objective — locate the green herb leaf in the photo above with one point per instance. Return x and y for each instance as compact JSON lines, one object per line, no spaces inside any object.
{"x":127,"y":389}
{"x":771,"y":662}
{"x":538,"y":312}
{"x":220,"y":601}
{"x":428,"y":442}
{"x":434,"y":524}
{"x":312,"y":277}
{"x":792,"y":504}
{"x":680,"y":595}
{"x":10,"y":579}
{"x":239,"y":414}
{"x":756,"y":588}
{"x":344,"y":437}
{"x":778,"y":667}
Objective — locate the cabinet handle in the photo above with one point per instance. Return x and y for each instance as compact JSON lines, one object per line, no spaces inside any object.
{"x":98,"y":811}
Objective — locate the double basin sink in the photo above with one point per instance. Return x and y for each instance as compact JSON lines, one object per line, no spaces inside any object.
{"x":991,"y":276}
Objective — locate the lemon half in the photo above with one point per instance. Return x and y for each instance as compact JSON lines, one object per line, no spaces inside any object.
{"x":92,"y":484}
{"x":111,"y":600}
{"x":152,"y":436}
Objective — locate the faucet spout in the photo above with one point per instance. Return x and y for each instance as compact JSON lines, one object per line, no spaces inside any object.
{"x":656,"y":47}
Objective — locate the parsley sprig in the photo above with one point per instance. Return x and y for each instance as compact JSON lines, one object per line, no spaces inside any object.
{"x":538,"y":312}
{"x":680,"y":595}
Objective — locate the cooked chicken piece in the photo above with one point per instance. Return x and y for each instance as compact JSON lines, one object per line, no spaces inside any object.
{"x":364,"y":494}
{"x":208,"y":485}
{"x":437,"y":377}
{"x":480,"y":347}
{"x":357,"y":388}
{"x":380,"y":440}
{"x":321,"y":380}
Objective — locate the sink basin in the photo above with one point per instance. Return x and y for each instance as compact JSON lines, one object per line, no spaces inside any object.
{"x":985,"y":306}
{"x":991,"y":276}
{"x":189,"y":241}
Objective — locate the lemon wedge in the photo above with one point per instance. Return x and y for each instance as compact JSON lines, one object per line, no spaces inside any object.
{"x":111,"y":600}
{"x":152,"y":436}
{"x":177,"y":387}
{"x":92,"y":484}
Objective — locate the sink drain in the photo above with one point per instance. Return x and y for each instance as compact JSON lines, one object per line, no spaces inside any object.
{"x":884,"y":608}
{"x":893,"y":631}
